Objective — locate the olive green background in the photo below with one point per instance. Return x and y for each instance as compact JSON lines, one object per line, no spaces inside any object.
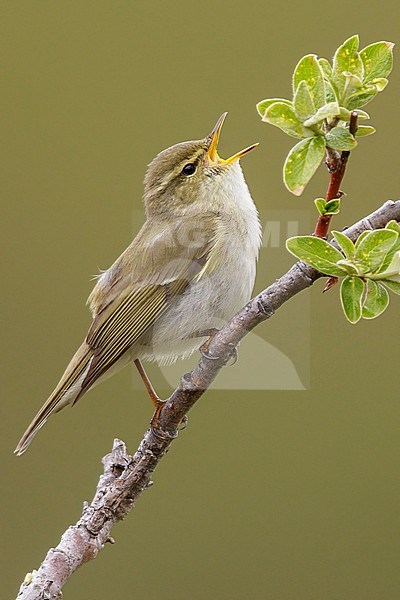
{"x":285,"y":495}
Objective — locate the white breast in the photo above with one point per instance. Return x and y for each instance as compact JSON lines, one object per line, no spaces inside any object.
{"x":211,"y":301}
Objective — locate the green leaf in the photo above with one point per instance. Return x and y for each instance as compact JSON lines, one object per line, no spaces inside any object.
{"x":393,"y":226}
{"x":393,"y":270}
{"x":376,"y":300}
{"x":361,"y":98}
{"x":303,"y":103}
{"x":345,"y":114}
{"x":390,"y":268}
{"x":327,"y":208}
{"x":340,"y":138}
{"x":325,"y":112}
{"x":264,"y":104}
{"x":377,"y":59}
{"x":330,"y":93}
{"x":317,"y":253}
{"x":283,"y":116}
{"x":392,"y":286}
{"x":320,"y":203}
{"x":302,"y":162}
{"x":362,"y":114}
{"x":364,"y":130}
{"x":332,"y":207}
{"x":308,"y":70}
{"x":394,"y":278}
{"x":348,"y":60}
{"x":380,"y":83}
{"x":391,"y":264}
{"x":351,"y":292}
{"x":326,"y":67}
{"x":352,"y":81}
{"x":349,"y":266}
{"x":373,"y":248}
{"x":361,"y":237}
{"x":345,"y":243}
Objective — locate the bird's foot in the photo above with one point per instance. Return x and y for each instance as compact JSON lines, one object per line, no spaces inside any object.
{"x":234,"y":355}
{"x":205,"y":347}
{"x":155,"y":426}
{"x":184,"y":423}
{"x":158,"y":404}
{"x":158,"y":431}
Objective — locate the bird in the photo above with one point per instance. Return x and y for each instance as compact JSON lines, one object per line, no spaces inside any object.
{"x":189,"y":269}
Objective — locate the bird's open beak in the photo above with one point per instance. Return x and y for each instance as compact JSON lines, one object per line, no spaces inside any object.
{"x":212,"y":153}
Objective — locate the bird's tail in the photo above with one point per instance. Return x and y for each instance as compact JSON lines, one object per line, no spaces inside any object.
{"x":65,"y":393}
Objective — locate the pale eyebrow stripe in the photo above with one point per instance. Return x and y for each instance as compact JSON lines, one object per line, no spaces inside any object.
{"x":179,"y":168}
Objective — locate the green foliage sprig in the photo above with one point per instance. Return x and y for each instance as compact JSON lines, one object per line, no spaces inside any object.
{"x":324,"y":95}
{"x":323,"y":114}
{"x":369,"y":267}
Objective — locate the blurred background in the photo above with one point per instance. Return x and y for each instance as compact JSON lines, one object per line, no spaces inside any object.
{"x":280,"y":491}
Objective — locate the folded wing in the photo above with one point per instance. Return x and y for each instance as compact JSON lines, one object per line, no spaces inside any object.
{"x":127,"y":300}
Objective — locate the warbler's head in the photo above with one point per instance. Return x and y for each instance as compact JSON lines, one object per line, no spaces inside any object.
{"x":191,"y":173}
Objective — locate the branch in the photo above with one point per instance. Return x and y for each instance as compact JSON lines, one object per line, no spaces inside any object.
{"x":336,"y":163}
{"x":125,"y":477}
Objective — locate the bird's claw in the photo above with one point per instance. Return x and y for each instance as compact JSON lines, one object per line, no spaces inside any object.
{"x":234,"y":355}
{"x":204,"y":348}
{"x":204,"y":352}
{"x":184,"y":423}
{"x":161,"y":433}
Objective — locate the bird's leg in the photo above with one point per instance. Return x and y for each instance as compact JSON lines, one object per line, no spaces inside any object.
{"x":156,"y":400}
{"x":204,"y":347}
{"x":149,"y":387}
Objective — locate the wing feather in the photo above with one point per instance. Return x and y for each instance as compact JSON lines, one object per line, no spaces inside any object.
{"x":129,"y":298}
{"x":141,"y":296}
{"x":57,"y":400}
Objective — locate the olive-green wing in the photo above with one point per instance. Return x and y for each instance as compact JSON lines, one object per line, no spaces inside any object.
{"x":129,"y":297}
{"x":141,"y":288}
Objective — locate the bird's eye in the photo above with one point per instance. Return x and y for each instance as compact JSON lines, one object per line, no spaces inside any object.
{"x":189,"y":169}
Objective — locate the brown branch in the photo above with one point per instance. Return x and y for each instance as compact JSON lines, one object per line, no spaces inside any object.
{"x":336,"y":164}
{"x":125,"y":477}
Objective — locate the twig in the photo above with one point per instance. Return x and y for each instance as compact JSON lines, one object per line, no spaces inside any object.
{"x":336,"y":164}
{"x":125,"y":477}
